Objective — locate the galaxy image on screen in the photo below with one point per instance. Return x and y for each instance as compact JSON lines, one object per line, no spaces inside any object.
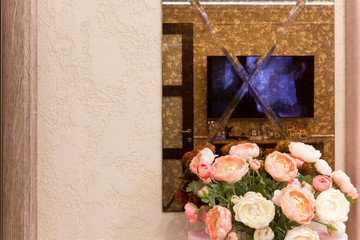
{"x":286,"y":84}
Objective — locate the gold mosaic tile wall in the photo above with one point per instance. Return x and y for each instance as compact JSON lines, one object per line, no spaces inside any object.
{"x":249,"y":30}
{"x":171,"y":59}
{"x":172,"y":119}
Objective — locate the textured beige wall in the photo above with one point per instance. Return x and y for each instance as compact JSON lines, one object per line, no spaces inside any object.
{"x":340,"y":94}
{"x":99,"y":164}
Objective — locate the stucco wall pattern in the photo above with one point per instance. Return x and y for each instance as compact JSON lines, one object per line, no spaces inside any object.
{"x":99,"y":136}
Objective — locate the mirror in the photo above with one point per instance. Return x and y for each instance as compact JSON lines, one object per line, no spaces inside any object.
{"x":212,"y":52}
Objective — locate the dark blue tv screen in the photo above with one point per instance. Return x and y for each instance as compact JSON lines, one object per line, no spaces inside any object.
{"x":286,"y":84}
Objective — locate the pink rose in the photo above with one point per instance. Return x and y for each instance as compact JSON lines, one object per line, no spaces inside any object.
{"x":245,"y":150}
{"x":204,"y":156}
{"x":218,"y":222}
{"x":280,"y":166}
{"x":339,"y":177}
{"x":254,"y":164}
{"x":322,"y":183}
{"x":343,"y":181}
{"x":202,"y":214}
{"x":295,"y":182}
{"x":229,"y":168}
{"x":277,"y":198}
{"x":232,"y":236}
{"x":297,"y":204}
{"x":350,"y":190}
{"x":203,"y":172}
{"x":203,"y":192}
{"x":299,"y":161}
{"x":190,"y":210}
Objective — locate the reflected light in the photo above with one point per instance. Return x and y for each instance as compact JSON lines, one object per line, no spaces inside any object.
{"x":250,"y":3}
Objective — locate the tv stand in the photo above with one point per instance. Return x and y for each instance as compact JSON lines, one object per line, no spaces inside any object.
{"x":323,"y":143}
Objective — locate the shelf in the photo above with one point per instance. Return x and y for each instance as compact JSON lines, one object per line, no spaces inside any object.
{"x":314,"y":139}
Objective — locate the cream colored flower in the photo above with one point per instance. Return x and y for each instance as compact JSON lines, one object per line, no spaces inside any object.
{"x":340,"y":232}
{"x":254,"y":210}
{"x":306,"y":152}
{"x":332,"y":206}
{"x":265,"y":233}
{"x":301,"y":233}
{"x":323,"y":167}
{"x":234,"y":199}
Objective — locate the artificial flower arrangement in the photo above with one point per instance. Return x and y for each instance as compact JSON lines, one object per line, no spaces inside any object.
{"x":273,"y":198}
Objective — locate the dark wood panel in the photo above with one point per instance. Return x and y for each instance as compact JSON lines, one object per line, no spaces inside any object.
{"x":186,"y":92}
{"x":172,"y":91}
{"x":172,"y":153}
{"x":18,"y":119}
{"x":188,"y":81}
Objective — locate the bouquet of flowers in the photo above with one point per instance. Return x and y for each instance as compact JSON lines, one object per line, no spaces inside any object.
{"x":275,"y":197}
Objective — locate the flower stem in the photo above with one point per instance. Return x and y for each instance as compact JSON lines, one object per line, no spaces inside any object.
{"x":329,"y":226}
{"x":314,"y":220}
{"x":261,"y":178}
{"x":213,"y":180}
{"x":233,"y":188}
{"x":253,"y":178}
{"x":223,"y":198}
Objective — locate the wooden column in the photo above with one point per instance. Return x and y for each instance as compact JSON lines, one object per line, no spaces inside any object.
{"x":18,"y":119}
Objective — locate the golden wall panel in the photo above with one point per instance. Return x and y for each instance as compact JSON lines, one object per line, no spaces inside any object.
{"x":251,"y":31}
{"x":172,"y":59}
{"x":171,"y":172}
{"x":172,"y":122}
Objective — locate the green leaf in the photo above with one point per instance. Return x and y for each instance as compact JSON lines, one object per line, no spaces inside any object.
{"x":212,"y":200}
{"x":351,"y":200}
{"x":195,"y":186}
{"x":263,"y":175}
{"x":308,"y":179}
{"x":249,"y":237}
{"x":331,"y":227}
{"x":281,"y":185}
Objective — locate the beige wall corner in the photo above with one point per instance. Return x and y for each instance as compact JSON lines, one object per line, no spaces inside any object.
{"x":340,"y":77}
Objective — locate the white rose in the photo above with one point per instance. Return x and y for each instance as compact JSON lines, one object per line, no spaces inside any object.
{"x":254,"y":210}
{"x":302,"y":233}
{"x":340,"y":232}
{"x":332,"y":206}
{"x":323,"y":167}
{"x":234,"y":199}
{"x":265,"y":233}
{"x":306,"y":152}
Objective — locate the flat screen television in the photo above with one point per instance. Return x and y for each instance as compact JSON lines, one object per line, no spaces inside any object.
{"x":286,"y":83}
